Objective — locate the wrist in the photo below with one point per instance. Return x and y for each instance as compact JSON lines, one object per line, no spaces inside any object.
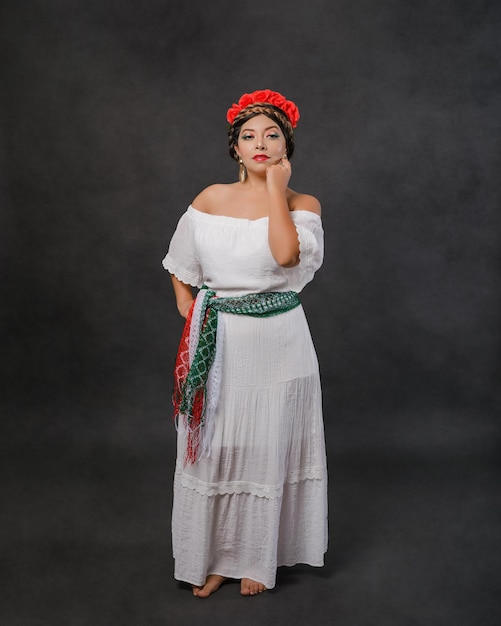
{"x":184,"y":307}
{"x":277,"y":192}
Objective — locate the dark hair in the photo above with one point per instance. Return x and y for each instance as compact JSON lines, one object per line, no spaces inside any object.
{"x":274,"y":113}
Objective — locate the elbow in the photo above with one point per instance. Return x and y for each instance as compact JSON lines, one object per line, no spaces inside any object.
{"x":285,"y":253}
{"x":288,"y":260}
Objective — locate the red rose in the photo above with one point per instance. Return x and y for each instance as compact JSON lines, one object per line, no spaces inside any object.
{"x":265,"y":96}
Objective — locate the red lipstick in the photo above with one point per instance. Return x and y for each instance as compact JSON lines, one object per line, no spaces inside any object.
{"x":260,"y":157}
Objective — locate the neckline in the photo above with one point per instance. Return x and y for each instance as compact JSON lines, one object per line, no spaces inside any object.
{"x":241,"y":219}
{"x":226,"y":217}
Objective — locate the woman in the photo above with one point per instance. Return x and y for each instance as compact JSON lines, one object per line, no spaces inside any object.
{"x":250,"y":487}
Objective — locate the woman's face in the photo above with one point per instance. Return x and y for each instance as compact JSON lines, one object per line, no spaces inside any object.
{"x":261,"y":143}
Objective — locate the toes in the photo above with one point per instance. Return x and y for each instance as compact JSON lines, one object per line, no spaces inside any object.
{"x":251,"y":587}
{"x":212,"y":584}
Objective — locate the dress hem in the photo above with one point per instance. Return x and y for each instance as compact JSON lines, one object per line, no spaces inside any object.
{"x":248,"y":575}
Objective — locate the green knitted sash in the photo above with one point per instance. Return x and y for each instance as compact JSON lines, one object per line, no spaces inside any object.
{"x":255,"y":305}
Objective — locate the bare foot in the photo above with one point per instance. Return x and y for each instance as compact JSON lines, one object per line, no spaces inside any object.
{"x":212,"y":583}
{"x":250,"y":587}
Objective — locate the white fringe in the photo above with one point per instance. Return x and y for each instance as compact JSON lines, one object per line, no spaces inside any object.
{"x":214,"y":379}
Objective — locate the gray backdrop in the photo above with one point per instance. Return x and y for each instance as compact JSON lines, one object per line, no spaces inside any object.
{"x":113,"y":119}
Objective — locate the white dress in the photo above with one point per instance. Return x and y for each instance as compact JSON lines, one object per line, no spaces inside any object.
{"x":260,"y":500}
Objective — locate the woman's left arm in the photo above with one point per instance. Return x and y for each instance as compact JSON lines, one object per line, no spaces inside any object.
{"x":282,"y":234}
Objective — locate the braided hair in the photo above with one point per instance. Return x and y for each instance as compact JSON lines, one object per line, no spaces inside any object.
{"x":273,"y":112}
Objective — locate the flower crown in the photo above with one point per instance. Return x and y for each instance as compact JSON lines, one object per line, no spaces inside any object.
{"x":265,"y":96}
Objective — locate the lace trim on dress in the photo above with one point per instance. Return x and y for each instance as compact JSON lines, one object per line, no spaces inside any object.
{"x":255,"y":489}
{"x":182,"y":274}
{"x":307,"y":242}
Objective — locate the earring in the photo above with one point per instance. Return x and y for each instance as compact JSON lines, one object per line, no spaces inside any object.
{"x":242,"y":171}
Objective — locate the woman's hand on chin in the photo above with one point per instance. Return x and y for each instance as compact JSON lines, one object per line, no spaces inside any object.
{"x":278,"y":175}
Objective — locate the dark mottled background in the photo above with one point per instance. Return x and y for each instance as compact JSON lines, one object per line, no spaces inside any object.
{"x":112,"y":120}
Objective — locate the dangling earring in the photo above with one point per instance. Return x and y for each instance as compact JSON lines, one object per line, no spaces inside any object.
{"x":242,"y":171}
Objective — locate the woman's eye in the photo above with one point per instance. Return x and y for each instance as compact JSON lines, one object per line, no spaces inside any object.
{"x":246,"y":136}
{"x":273,"y":136}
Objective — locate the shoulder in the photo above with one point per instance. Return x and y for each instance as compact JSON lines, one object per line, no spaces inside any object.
{"x":304,"y":202}
{"x":212,"y":197}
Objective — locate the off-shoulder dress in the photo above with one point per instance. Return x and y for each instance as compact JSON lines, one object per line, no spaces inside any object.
{"x":260,"y":500}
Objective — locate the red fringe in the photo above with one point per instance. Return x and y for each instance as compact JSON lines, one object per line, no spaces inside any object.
{"x":181,"y":370}
{"x":182,"y":365}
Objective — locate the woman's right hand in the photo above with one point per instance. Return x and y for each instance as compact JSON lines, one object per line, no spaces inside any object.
{"x":184,"y":307}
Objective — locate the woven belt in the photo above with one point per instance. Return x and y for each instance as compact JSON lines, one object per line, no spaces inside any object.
{"x":190,"y":388}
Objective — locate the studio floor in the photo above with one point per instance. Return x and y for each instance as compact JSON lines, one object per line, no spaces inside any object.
{"x":414,"y":539}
